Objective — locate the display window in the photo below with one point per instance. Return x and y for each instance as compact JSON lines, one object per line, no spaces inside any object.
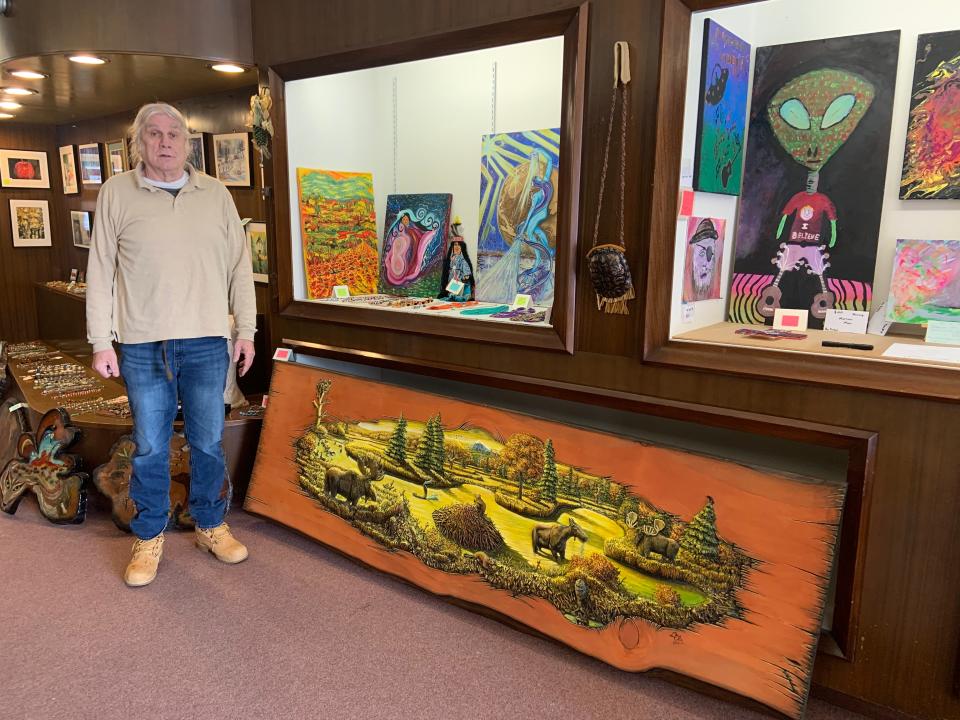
{"x":819,"y":182}
{"x":436,"y":194}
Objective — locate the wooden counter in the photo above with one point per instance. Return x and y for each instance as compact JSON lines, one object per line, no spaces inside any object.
{"x":100,"y":432}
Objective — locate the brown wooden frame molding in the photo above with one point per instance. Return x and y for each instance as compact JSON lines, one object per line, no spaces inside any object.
{"x":571,"y":23}
{"x":861,"y":446}
{"x":658,"y":348}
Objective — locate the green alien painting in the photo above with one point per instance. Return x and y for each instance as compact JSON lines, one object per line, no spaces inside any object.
{"x":814,"y":179}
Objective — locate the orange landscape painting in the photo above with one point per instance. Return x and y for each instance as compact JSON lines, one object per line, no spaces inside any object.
{"x":642,"y":556}
{"x":339,"y":231}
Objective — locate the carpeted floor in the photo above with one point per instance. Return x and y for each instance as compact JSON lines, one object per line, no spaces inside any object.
{"x":296,"y":631}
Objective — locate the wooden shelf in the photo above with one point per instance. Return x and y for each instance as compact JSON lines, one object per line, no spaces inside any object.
{"x":724,"y":333}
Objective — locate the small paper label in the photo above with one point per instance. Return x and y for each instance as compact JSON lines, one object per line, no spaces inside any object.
{"x":790,"y":319}
{"x":878,"y":321}
{"x":851,"y":321}
{"x":522,"y":301}
{"x":341,"y":291}
{"x":686,"y":313}
{"x":282,"y":354}
{"x":943,"y":333}
{"x":455,"y":287}
{"x":686,"y":171}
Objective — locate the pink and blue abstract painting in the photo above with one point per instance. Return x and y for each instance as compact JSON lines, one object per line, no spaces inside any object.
{"x":414,"y":242}
{"x":517,"y":245}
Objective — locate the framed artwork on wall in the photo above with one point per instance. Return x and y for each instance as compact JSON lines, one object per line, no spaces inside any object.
{"x":30,"y":220}
{"x":116,"y":157}
{"x":257,"y":237}
{"x":231,"y":156}
{"x":196,"y":151}
{"x":81,"y":223}
{"x":91,"y":169}
{"x":68,"y":170}
{"x":24,"y":169}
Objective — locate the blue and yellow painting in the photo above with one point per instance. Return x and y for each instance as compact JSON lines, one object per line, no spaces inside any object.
{"x":724,"y":83}
{"x":517,"y":246}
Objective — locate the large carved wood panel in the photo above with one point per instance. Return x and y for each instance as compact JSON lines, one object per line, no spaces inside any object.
{"x":642,"y":556}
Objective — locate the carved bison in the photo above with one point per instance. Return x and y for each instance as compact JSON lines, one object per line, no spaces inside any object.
{"x":351,"y":484}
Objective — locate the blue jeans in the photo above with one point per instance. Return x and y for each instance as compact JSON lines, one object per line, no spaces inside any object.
{"x":156,"y":374}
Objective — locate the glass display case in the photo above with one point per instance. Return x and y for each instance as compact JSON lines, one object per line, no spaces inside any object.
{"x":818,"y":205}
{"x":432,"y":187}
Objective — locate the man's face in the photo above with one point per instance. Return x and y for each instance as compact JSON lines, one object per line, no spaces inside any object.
{"x":164,"y":145}
{"x":704,"y":262}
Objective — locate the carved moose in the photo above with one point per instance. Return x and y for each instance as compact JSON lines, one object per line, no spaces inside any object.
{"x":351,"y":484}
{"x":554,"y":538}
{"x":650,"y":540}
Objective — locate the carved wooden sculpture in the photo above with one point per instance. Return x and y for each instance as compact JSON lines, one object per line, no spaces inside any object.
{"x":642,"y":556}
{"x":113,"y":480}
{"x":42,"y":466}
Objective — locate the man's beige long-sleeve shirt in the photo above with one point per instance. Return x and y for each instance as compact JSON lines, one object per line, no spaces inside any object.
{"x":164,"y":267}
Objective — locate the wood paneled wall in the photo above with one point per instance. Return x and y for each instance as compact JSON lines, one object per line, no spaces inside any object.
{"x":20,"y":267}
{"x":906,"y":656}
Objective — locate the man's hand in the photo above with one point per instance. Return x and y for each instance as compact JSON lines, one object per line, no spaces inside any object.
{"x":105,"y":363}
{"x":244,"y":349}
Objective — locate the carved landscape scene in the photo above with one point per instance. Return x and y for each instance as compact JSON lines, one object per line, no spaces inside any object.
{"x":464,"y":500}
{"x":642,"y":556}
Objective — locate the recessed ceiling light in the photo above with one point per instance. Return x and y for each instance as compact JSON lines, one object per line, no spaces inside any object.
{"x":29,"y":74}
{"x":228,"y":68}
{"x":86,"y":59}
{"x":5,"y":116}
{"x":17,"y":91}
{"x":10,"y":105}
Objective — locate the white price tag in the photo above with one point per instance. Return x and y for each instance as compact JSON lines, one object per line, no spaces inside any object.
{"x":851,"y":321}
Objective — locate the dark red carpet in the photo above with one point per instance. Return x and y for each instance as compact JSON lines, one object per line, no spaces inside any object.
{"x":296,"y":631}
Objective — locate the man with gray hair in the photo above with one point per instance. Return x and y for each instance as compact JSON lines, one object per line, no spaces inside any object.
{"x":168,"y":263}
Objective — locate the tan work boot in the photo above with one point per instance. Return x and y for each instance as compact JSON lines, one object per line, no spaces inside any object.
{"x":143,"y":565}
{"x":221,"y":542}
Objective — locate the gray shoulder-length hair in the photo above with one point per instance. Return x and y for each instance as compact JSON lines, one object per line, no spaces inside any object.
{"x":143,"y":115}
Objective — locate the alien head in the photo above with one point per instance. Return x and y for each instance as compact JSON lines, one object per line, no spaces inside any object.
{"x":815,"y":113}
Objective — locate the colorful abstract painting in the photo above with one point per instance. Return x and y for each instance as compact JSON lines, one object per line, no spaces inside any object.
{"x":719,"y":573}
{"x":414,"y":242}
{"x":339,"y":231}
{"x":703,"y":261}
{"x":722,"y":116}
{"x":926,"y":281}
{"x":517,"y":246}
{"x":931,"y":156}
{"x":813,"y":179}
